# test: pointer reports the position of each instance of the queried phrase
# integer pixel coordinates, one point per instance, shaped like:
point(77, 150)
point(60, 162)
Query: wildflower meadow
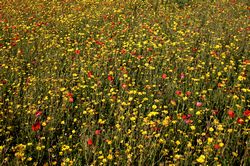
point(133, 82)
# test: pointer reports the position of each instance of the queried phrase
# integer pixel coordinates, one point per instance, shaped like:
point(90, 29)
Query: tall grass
point(124, 83)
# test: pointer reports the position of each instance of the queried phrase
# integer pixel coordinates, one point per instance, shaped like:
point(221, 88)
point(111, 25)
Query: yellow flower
point(62, 89)
point(101, 157)
point(177, 156)
point(221, 144)
point(178, 142)
point(154, 107)
point(133, 118)
point(185, 98)
point(198, 113)
point(189, 144)
point(201, 159)
point(1, 148)
point(44, 124)
point(240, 78)
point(192, 127)
point(220, 127)
point(29, 158)
point(100, 121)
point(211, 129)
point(210, 140)
point(38, 148)
point(110, 157)
point(235, 154)
point(153, 114)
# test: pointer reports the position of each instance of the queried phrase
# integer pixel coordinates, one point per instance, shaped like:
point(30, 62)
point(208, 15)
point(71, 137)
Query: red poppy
point(90, 74)
point(77, 52)
point(38, 113)
point(231, 113)
point(124, 86)
point(90, 142)
point(246, 113)
point(240, 121)
point(164, 76)
point(114, 97)
point(219, 85)
point(149, 49)
point(216, 146)
point(69, 94)
point(4, 81)
point(98, 132)
point(156, 129)
point(188, 121)
point(36, 126)
point(110, 78)
point(199, 104)
point(184, 117)
point(247, 61)
point(133, 52)
point(99, 43)
point(188, 93)
point(194, 49)
point(139, 57)
point(71, 99)
point(215, 112)
point(178, 92)
point(123, 51)
point(182, 76)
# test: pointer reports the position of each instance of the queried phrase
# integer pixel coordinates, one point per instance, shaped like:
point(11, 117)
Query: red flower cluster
point(187, 119)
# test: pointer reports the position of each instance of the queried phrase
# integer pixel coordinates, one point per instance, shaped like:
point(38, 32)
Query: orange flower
point(123, 51)
point(246, 62)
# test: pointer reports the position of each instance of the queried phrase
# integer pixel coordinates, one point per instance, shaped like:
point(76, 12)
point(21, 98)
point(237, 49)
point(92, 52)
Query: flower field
point(136, 82)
